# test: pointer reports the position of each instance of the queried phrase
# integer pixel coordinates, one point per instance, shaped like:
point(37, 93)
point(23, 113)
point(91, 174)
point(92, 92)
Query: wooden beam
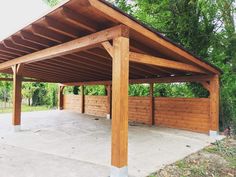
point(78, 20)
point(61, 28)
point(23, 80)
point(109, 48)
point(60, 97)
point(108, 91)
point(69, 47)
point(49, 34)
point(214, 103)
point(206, 85)
point(120, 82)
point(121, 18)
point(82, 99)
point(175, 79)
point(161, 62)
point(17, 84)
point(151, 104)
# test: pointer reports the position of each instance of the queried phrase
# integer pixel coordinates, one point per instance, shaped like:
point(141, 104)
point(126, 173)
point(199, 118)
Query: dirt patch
point(217, 160)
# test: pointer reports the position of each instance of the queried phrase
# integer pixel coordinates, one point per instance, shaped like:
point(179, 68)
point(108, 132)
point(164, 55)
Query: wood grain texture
point(17, 85)
point(183, 113)
point(96, 105)
point(214, 103)
point(120, 84)
point(82, 99)
point(60, 97)
point(140, 110)
point(79, 44)
point(162, 62)
point(72, 103)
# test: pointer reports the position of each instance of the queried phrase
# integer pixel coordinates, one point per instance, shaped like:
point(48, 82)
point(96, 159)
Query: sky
point(16, 14)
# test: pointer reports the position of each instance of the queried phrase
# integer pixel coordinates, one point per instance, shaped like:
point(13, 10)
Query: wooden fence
point(182, 113)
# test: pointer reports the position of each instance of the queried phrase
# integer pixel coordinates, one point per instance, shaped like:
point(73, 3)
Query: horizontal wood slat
point(72, 103)
point(182, 113)
point(96, 105)
point(139, 110)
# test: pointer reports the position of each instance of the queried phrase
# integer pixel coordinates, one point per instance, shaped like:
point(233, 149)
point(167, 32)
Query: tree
point(28, 91)
point(206, 28)
point(52, 2)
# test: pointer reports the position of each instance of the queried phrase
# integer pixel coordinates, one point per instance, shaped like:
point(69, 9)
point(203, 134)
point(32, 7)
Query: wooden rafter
point(161, 62)
point(117, 16)
point(69, 47)
point(199, 78)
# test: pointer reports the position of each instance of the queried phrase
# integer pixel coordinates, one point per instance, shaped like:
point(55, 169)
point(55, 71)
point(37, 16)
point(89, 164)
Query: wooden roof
point(77, 18)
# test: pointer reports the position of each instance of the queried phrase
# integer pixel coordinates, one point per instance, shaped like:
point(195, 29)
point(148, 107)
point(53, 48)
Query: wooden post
point(152, 118)
point(60, 97)
point(82, 98)
point(108, 90)
point(17, 84)
point(120, 82)
point(214, 105)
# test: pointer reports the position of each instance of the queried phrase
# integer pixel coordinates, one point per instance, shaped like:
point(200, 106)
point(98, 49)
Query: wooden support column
point(108, 90)
point(214, 105)
point(17, 84)
point(152, 118)
point(60, 97)
point(120, 83)
point(82, 98)
point(206, 85)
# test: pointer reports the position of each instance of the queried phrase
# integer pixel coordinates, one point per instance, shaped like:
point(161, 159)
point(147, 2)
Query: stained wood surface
point(75, 20)
point(96, 105)
point(140, 110)
point(17, 85)
point(214, 102)
point(60, 97)
point(120, 114)
point(72, 103)
point(185, 113)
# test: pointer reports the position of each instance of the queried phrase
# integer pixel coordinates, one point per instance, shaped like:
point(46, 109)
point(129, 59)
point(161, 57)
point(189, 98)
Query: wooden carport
point(84, 42)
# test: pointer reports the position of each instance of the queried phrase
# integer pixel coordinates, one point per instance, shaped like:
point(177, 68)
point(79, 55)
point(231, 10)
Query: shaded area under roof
point(77, 18)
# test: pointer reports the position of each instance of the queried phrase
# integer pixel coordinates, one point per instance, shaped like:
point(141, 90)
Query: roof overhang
point(71, 44)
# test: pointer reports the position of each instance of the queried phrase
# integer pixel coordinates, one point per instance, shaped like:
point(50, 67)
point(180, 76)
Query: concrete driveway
point(66, 144)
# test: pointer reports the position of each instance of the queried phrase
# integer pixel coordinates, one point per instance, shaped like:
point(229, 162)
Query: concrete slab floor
point(67, 144)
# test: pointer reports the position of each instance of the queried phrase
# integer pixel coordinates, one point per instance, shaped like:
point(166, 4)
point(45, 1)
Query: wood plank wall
point(182, 113)
point(96, 105)
point(72, 103)
point(139, 110)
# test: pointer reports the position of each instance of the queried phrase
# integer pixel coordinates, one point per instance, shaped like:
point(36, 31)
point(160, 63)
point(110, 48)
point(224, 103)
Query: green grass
point(218, 159)
point(26, 108)
point(223, 149)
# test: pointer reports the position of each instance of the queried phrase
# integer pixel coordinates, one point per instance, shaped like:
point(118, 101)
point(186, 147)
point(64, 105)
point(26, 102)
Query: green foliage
point(28, 91)
point(206, 28)
point(95, 90)
point(75, 90)
point(139, 90)
point(52, 2)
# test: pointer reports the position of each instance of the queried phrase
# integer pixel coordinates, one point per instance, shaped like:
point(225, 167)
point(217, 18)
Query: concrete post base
point(213, 134)
point(119, 172)
point(108, 116)
point(16, 128)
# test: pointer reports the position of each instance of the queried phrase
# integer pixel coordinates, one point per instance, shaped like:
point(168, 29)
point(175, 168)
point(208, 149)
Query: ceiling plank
point(82, 43)
point(176, 79)
point(115, 15)
point(161, 62)
point(78, 20)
